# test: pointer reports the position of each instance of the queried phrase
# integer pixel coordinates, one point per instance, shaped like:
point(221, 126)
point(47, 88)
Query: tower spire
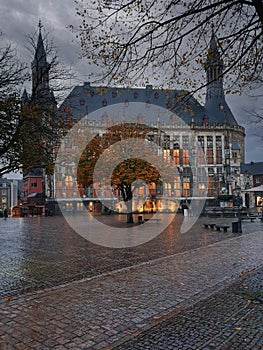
point(214, 69)
point(40, 68)
point(215, 103)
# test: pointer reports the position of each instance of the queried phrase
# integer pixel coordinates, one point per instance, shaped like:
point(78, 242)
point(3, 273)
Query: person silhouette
point(5, 214)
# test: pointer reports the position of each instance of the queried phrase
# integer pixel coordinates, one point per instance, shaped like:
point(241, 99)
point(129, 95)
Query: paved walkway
point(101, 311)
point(230, 319)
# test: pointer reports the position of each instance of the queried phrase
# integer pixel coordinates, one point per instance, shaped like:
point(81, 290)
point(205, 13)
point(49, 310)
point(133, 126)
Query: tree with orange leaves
point(118, 146)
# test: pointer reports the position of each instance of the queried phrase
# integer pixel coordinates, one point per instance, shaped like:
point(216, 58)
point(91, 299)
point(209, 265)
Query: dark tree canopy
point(161, 42)
point(12, 71)
point(12, 75)
point(30, 126)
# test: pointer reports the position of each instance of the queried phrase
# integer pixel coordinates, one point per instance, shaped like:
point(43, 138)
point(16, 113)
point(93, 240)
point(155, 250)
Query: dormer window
point(135, 95)
point(126, 103)
point(148, 104)
point(105, 117)
point(114, 93)
point(169, 104)
point(104, 103)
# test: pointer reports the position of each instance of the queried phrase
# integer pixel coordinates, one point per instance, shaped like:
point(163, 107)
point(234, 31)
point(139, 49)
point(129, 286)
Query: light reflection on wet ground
point(44, 251)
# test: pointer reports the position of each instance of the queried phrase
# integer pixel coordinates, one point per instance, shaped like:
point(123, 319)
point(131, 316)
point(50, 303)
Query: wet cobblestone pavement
point(231, 319)
point(116, 301)
point(44, 252)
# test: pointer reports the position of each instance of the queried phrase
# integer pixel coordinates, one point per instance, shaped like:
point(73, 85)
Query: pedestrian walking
point(5, 214)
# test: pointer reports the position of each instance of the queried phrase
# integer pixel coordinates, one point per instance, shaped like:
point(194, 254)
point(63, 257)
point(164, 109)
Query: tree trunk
point(129, 213)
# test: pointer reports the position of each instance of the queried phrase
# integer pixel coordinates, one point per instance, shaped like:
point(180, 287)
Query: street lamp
point(226, 147)
point(239, 203)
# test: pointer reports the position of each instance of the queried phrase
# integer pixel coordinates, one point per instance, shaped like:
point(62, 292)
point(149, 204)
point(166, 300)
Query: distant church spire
point(40, 68)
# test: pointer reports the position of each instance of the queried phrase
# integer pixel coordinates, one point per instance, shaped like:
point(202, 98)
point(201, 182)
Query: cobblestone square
point(178, 291)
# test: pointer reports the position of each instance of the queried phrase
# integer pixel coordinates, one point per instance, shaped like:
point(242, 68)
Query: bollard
point(235, 227)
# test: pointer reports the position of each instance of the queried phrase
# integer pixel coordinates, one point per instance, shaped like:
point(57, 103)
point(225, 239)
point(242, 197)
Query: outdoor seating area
point(251, 218)
point(218, 227)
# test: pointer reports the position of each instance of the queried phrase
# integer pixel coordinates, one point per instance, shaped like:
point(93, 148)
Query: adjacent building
point(252, 179)
point(10, 194)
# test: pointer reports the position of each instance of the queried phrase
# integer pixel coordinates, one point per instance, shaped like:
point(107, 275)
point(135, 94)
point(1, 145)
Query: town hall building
point(210, 132)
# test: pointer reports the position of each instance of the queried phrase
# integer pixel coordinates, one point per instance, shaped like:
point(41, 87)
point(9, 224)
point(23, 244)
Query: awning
point(254, 189)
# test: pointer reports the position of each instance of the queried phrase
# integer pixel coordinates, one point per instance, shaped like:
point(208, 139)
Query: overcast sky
point(20, 18)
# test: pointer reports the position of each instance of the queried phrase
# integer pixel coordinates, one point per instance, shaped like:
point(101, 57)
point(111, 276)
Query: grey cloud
point(20, 18)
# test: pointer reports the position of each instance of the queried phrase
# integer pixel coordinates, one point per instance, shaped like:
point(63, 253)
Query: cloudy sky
point(20, 18)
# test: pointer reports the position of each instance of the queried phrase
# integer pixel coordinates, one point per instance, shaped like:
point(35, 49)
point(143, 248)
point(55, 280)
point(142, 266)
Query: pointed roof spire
point(213, 53)
point(40, 25)
point(40, 50)
point(24, 96)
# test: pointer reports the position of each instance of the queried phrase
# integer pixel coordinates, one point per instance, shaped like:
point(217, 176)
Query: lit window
point(185, 156)
point(186, 187)
point(177, 186)
point(176, 156)
point(166, 155)
point(200, 155)
point(210, 156)
point(210, 185)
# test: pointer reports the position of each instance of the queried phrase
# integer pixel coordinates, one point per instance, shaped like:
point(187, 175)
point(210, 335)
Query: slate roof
point(252, 168)
point(86, 99)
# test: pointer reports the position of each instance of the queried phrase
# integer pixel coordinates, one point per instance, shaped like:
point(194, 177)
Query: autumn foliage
point(116, 150)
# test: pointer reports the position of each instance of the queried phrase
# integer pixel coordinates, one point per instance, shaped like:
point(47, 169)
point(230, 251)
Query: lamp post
point(239, 203)
point(226, 148)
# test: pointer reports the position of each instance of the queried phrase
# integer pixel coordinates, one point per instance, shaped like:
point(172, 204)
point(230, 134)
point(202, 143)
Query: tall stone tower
point(42, 106)
point(41, 92)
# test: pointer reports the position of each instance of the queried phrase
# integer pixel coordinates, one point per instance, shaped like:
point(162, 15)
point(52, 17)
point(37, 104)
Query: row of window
point(115, 94)
point(186, 140)
point(177, 189)
point(183, 157)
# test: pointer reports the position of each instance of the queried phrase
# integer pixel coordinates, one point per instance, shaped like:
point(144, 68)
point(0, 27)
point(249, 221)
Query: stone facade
point(196, 139)
point(203, 142)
